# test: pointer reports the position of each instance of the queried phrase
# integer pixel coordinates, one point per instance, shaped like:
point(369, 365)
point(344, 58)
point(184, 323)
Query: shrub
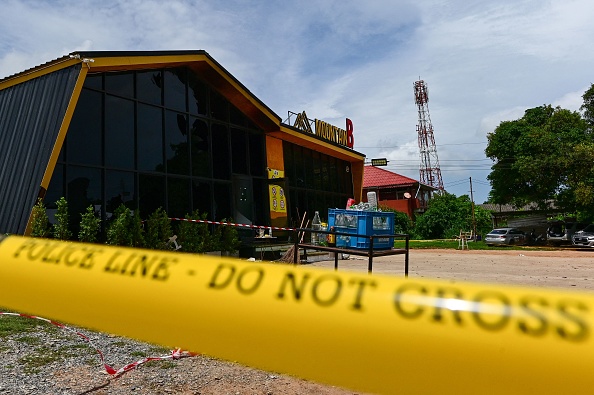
point(89, 226)
point(136, 230)
point(118, 231)
point(194, 236)
point(40, 224)
point(158, 230)
point(61, 230)
point(229, 238)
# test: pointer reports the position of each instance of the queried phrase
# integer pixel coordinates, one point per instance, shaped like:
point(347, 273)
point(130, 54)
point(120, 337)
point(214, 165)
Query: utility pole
point(473, 219)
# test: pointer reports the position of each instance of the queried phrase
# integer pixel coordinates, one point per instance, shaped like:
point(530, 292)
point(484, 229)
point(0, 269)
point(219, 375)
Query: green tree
point(194, 236)
point(534, 157)
point(158, 230)
point(89, 226)
point(229, 241)
point(447, 215)
point(588, 106)
point(61, 230)
point(118, 230)
point(40, 223)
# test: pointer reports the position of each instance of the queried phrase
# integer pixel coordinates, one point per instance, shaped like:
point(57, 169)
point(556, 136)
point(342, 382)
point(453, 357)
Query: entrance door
point(243, 197)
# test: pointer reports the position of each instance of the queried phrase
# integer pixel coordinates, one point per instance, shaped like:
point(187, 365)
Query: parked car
point(505, 236)
point(584, 237)
point(561, 232)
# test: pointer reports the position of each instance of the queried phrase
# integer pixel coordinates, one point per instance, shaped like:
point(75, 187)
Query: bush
point(158, 230)
point(118, 231)
point(61, 230)
point(40, 226)
point(229, 238)
point(194, 236)
point(89, 226)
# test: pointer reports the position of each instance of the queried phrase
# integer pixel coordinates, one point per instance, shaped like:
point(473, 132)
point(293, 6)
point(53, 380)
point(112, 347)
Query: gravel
point(50, 360)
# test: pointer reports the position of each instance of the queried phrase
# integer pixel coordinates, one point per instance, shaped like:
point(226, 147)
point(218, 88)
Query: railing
point(369, 252)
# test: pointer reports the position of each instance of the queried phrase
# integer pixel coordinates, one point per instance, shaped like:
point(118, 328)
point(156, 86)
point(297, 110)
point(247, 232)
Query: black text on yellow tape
point(370, 333)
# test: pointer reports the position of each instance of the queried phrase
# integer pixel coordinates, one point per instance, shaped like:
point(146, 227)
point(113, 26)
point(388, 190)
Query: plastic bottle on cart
point(316, 224)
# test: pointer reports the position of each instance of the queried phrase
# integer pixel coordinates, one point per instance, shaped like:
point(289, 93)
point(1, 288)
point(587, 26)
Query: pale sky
point(483, 61)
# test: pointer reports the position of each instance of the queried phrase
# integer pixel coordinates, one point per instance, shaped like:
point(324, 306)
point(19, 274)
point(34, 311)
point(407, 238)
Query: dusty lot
point(572, 269)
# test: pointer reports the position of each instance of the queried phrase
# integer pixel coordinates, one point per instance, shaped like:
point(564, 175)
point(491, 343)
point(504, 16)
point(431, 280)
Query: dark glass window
point(55, 189)
point(83, 140)
point(176, 143)
point(119, 189)
point(219, 107)
point(150, 138)
point(94, 81)
point(121, 84)
point(175, 89)
point(236, 117)
point(201, 197)
point(84, 188)
point(222, 202)
point(197, 96)
point(239, 153)
point(200, 147)
point(178, 197)
point(149, 86)
point(299, 167)
point(257, 153)
point(308, 167)
point(220, 148)
point(119, 132)
point(151, 191)
point(314, 170)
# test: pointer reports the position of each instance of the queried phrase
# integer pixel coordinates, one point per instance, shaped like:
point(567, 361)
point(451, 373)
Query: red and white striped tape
point(231, 224)
point(175, 354)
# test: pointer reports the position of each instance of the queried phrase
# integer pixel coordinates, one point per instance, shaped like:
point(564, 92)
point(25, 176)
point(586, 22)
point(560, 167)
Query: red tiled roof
point(376, 177)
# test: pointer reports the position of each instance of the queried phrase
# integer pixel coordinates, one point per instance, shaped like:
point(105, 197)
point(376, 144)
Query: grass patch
point(14, 325)
point(453, 244)
point(40, 357)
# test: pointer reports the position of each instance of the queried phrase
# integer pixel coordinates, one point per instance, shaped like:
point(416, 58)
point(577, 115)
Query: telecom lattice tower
point(429, 168)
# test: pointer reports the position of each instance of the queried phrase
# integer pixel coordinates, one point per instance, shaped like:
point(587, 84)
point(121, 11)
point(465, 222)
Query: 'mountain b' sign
point(327, 131)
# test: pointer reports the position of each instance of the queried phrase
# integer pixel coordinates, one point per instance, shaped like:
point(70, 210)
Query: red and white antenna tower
point(429, 168)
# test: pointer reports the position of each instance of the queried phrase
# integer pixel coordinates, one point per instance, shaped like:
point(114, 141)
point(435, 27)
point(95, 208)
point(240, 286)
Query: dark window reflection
point(237, 117)
point(56, 187)
point(151, 194)
point(150, 138)
point(121, 84)
point(176, 143)
point(84, 189)
point(201, 197)
point(200, 148)
point(94, 81)
point(119, 189)
point(219, 108)
point(222, 202)
point(178, 197)
point(220, 146)
point(119, 133)
point(83, 140)
point(149, 86)
point(239, 147)
point(175, 89)
point(257, 154)
point(197, 96)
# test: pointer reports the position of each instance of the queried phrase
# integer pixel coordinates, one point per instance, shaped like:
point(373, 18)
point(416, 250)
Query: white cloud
point(484, 62)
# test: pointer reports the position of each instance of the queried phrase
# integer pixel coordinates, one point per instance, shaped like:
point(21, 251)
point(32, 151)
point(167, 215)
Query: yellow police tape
point(371, 333)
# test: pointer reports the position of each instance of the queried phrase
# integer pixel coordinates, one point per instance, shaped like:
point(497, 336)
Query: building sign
point(326, 131)
point(278, 201)
point(379, 162)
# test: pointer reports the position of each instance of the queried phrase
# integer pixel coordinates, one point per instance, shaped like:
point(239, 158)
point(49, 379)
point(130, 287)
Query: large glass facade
point(315, 181)
point(157, 138)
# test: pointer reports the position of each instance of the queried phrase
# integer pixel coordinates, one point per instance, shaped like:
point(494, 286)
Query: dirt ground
point(564, 268)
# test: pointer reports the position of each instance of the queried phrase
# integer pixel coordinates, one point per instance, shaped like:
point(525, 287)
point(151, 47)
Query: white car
point(585, 237)
point(505, 236)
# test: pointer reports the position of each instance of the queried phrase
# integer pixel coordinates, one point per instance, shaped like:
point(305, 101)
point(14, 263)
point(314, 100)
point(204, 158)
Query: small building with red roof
point(396, 191)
